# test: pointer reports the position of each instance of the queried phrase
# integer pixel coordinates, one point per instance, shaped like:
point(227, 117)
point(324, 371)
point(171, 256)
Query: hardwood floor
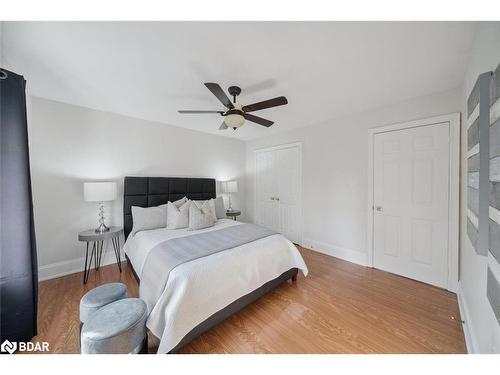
point(339, 308)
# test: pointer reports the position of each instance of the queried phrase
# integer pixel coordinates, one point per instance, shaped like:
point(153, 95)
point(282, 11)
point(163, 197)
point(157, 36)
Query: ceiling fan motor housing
point(234, 111)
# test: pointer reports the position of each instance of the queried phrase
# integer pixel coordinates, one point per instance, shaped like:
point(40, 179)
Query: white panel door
point(411, 177)
point(265, 182)
point(277, 190)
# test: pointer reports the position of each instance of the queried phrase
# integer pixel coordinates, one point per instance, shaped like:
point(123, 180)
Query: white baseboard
point(350, 255)
point(67, 267)
point(470, 337)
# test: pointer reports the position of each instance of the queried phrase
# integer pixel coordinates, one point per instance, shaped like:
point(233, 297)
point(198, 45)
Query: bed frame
point(153, 191)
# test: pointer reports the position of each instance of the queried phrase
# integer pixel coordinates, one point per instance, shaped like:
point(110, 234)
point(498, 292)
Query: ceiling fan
point(235, 115)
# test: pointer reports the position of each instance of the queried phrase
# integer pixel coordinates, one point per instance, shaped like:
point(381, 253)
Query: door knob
point(378, 208)
point(272, 198)
point(277, 199)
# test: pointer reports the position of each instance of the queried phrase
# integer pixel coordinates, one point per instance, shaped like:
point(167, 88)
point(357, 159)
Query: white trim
point(343, 253)
point(454, 188)
point(495, 112)
point(473, 151)
point(67, 267)
point(473, 117)
point(274, 148)
point(470, 337)
point(454, 204)
point(369, 231)
point(494, 215)
point(279, 147)
point(416, 123)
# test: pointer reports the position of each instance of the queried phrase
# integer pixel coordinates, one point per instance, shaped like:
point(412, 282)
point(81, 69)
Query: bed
point(200, 293)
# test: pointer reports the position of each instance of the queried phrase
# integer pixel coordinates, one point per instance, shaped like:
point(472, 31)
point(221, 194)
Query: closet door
point(411, 202)
point(265, 182)
point(287, 163)
point(277, 190)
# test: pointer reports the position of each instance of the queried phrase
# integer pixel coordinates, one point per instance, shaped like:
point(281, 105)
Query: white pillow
point(202, 217)
point(209, 206)
point(177, 217)
point(146, 218)
point(180, 202)
point(220, 211)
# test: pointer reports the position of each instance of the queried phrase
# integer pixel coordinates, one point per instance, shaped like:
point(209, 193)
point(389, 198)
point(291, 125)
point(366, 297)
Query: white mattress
point(196, 290)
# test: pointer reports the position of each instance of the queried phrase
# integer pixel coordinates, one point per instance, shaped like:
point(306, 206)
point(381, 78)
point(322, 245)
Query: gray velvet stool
point(117, 328)
point(100, 297)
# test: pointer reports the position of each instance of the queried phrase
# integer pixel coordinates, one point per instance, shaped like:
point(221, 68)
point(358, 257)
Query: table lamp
point(230, 187)
point(99, 192)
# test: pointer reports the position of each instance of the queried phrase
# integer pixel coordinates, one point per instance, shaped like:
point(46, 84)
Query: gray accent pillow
point(200, 217)
point(146, 218)
point(220, 211)
point(209, 206)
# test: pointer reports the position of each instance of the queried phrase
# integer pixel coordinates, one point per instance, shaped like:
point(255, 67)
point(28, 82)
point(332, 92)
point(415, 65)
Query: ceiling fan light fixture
point(234, 114)
point(234, 120)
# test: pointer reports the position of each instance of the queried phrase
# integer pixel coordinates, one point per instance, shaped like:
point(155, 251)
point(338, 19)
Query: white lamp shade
point(99, 191)
point(230, 187)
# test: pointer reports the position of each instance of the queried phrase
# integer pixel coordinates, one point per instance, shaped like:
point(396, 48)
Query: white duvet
point(197, 289)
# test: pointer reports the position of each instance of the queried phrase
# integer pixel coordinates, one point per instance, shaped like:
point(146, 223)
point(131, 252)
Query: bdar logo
point(11, 347)
point(8, 347)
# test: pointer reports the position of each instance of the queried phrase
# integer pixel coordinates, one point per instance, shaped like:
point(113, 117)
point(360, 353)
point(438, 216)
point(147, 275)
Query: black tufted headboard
point(153, 191)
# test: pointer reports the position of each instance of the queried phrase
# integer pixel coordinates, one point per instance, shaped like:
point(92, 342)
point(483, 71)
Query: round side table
point(233, 214)
point(97, 240)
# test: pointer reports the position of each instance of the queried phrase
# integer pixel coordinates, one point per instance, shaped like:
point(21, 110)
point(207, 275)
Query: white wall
point(481, 328)
point(335, 168)
point(70, 145)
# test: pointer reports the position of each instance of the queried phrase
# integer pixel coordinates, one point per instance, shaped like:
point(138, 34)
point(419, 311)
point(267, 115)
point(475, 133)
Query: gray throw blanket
point(164, 257)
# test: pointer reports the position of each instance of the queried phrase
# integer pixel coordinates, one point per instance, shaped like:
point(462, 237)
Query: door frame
point(274, 148)
point(453, 188)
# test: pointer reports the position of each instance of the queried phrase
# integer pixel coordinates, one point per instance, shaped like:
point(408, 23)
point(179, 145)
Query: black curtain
point(18, 263)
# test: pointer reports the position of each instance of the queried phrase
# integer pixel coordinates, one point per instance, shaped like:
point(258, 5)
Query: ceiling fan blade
point(280, 100)
point(220, 94)
point(190, 111)
point(258, 120)
point(223, 126)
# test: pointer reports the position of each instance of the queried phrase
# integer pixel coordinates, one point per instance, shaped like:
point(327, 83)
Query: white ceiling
point(149, 70)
